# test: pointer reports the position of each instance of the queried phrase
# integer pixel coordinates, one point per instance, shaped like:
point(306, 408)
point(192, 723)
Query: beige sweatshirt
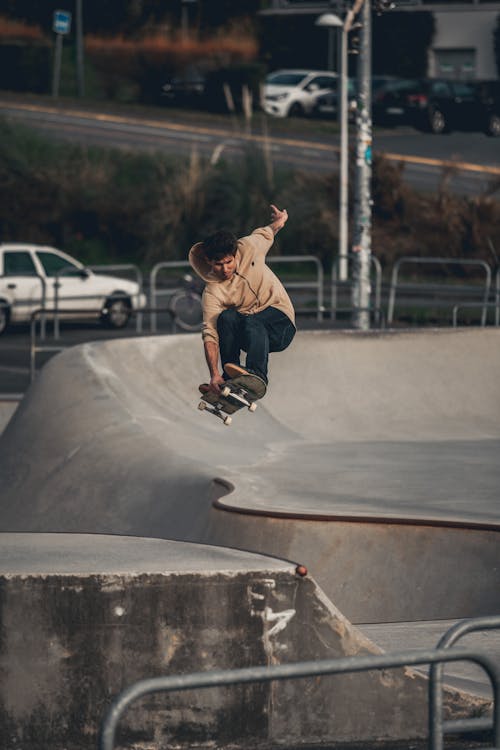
point(253, 288)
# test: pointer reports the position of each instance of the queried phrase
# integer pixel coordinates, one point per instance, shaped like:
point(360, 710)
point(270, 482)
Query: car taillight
point(419, 100)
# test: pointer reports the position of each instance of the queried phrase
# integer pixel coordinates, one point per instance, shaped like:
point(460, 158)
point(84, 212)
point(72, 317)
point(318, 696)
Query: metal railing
point(317, 284)
point(345, 665)
point(155, 293)
point(336, 284)
point(41, 313)
point(497, 297)
point(441, 288)
point(58, 311)
point(474, 306)
point(437, 727)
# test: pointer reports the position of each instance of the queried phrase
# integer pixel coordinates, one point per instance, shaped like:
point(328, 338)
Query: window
point(53, 264)
point(18, 263)
point(285, 79)
point(440, 88)
point(323, 82)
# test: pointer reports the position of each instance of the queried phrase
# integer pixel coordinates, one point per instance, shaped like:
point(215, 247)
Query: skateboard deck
point(236, 393)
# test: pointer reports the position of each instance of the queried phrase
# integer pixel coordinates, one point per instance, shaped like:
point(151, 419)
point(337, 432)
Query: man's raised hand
point(278, 218)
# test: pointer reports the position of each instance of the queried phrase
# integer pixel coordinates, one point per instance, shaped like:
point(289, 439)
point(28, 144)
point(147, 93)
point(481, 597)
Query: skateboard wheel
point(227, 421)
point(202, 405)
point(225, 391)
point(252, 407)
point(301, 570)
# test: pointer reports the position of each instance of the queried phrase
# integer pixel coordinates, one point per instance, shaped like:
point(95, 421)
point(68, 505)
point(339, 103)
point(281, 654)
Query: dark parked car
point(488, 93)
point(327, 104)
point(185, 88)
point(435, 105)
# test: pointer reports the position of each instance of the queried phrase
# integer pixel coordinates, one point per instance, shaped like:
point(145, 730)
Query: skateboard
point(236, 393)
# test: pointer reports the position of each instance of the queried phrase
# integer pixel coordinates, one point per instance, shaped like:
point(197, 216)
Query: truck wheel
point(493, 126)
point(4, 316)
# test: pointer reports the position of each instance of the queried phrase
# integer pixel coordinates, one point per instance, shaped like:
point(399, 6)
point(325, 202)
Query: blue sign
point(62, 21)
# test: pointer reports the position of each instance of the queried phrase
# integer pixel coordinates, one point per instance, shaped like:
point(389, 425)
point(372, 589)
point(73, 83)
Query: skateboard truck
point(216, 409)
point(237, 393)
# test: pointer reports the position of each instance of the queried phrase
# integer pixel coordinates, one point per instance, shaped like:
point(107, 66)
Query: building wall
point(466, 29)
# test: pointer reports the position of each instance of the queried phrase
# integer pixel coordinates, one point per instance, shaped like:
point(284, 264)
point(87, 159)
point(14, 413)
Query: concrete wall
point(85, 616)
point(469, 27)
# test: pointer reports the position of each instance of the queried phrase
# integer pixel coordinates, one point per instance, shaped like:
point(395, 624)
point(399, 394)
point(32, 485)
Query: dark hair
point(220, 244)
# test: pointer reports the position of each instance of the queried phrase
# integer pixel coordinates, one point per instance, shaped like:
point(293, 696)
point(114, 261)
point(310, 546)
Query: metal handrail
point(497, 297)
point(71, 272)
point(436, 261)
point(43, 311)
point(349, 664)
point(438, 727)
point(318, 284)
point(377, 308)
point(473, 306)
point(153, 292)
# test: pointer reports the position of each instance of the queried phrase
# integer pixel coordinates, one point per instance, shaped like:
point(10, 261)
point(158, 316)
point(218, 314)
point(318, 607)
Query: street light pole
point(80, 75)
point(330, 20)
point(343, 271)
point(362, 207)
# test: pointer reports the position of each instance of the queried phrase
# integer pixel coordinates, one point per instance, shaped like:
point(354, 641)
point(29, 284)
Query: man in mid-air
point(245, 306)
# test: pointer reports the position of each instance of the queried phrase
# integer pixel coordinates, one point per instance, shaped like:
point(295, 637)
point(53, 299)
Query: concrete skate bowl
point(372, 460)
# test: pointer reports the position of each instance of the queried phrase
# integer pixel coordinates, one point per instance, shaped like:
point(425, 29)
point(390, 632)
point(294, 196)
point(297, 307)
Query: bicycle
point(185, 304)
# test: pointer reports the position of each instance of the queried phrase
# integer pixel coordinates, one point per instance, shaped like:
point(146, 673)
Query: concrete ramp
point(373, 460)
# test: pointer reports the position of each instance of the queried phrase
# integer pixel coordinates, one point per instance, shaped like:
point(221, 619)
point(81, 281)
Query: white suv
point(296, 92)
point(35, 276)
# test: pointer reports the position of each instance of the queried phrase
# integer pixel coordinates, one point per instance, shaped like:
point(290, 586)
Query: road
point(471, 160)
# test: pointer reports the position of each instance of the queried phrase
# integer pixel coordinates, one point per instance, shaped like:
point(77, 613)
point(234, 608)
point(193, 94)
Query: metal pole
point(344, 169)
point(330, 49)
point(80, 70)
point(57, 65)
point(362, 207)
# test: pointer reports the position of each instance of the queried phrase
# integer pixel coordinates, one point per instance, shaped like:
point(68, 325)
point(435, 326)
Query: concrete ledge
point(84, 616)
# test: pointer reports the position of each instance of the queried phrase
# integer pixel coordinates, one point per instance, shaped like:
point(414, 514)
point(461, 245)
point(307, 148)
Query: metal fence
point(41, 314)
point(352, 664)
point(441, 292)
point(437, 727)
point(316, 285)
point(337, 286)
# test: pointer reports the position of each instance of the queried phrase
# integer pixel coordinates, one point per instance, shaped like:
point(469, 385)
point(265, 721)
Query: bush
point(147, 63)
point(105, 205)
point(25, 66)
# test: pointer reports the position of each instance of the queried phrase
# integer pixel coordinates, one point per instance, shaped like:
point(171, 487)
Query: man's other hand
point(278, 218)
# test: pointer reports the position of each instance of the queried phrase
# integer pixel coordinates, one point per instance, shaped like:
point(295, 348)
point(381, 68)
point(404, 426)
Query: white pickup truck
point(34, 277)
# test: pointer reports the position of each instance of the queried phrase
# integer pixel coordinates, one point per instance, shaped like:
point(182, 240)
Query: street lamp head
point(329, 19)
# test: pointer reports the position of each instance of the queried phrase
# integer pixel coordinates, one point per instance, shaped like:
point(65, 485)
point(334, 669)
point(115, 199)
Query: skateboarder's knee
point(228, 319)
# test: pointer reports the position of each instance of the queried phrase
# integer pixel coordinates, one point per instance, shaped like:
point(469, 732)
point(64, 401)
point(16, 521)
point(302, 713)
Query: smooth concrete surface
point(373, 460)
point(7, 409)
point(401, 636)
point(85, 616)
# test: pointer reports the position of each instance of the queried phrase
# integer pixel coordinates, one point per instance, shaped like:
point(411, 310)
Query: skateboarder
point(245, 306)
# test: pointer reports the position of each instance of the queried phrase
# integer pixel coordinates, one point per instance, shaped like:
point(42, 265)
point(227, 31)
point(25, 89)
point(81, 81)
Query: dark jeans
point(257, 335)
